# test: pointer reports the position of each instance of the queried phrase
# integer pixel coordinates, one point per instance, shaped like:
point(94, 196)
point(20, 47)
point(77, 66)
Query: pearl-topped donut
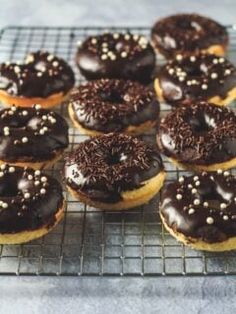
point(191, 77)
point(201, 210)
point(116, 55)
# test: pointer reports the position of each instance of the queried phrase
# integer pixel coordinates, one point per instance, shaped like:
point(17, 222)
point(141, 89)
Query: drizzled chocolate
point(31, 134)
point(187, 33)
point(40, 75)
point(192, 77)
point(28, 199)
point(116, 55)
point(202, 207)
point(200, 134)
point(113, 105)
point(102, 168)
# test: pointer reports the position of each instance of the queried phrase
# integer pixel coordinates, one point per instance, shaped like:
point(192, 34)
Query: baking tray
point(91, 242)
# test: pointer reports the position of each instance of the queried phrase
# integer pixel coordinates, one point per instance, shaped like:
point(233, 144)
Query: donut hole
point(115, 158)
point(201, 123)
point(111, 96)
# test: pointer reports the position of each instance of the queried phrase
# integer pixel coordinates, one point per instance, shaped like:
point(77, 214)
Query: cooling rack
point(90, 242)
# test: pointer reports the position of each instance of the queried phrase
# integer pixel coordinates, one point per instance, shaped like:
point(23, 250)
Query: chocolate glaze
point(113, 105)
point(31, 134)
point(28, 199)
point(187, 33)
point(201, 134)
point(102, 168)
point(40, 75)
point(202, 207)
point(192, 77)
point(116, 55)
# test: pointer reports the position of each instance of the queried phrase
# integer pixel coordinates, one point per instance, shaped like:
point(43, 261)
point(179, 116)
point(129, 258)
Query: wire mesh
point(93, 242)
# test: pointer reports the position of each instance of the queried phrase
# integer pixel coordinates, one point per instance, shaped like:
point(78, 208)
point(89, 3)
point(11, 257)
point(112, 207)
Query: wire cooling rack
point(93, 242)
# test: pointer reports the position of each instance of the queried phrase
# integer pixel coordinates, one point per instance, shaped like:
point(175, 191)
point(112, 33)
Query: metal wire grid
point(89, 241)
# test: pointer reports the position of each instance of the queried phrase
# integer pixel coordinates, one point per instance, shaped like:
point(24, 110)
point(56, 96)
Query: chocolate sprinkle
point(104, 167)
point(212, 223)
point(200, 133)
point(113, 105)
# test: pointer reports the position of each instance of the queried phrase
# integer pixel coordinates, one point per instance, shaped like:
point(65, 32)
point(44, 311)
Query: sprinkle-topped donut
point(201, 136)
point(116, 55)
point(189, 33)
point(31, 136)
point(41, 78)
point(201, 210)
point(109, 105)
point(31, 203)
point(114, 171)
point(192, 77)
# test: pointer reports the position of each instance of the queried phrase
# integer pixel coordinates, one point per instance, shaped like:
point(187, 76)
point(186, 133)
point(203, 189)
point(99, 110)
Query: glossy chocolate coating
point(200, 134)
point(113, 105)
point(202, 207)
point(31, 134)
point(40, 75)
point(116, 55)
point(189, 78)
point(187, 33)
point(102, 168)
point(28, 199)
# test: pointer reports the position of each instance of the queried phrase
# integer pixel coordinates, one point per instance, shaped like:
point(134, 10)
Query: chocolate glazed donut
point(199, 137)
point(31, 136)
point(110, 105)
point(200, 211)
point(31, 204)
point(192, 77)
point(116, 55)
point(182, 33)
point(114, 171)
point(42, 78)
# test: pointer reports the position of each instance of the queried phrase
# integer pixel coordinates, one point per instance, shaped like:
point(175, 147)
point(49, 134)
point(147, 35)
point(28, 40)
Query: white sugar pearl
point(223, 205)
point(38, 107)
point(195, 178)
point(36, 182)
point(24, 139)
point(179, 57)
point(191, 211)
point(210, 220)
point(192, 58)
point(225, 217)
point(204, 86)
point(11, 169)
point(104, 57)
point(27, 195)
point(196, 202)
point(42, 191)
point(205, 204)
point(44, 179)
point(219, 171)
point(181, 179)
point(194, 191)
point(37, 172)
point(4, 205)
point(179, 197)
point(1, 174)
point(226, 173)
point(41, 131)
point(123, 54)
point(24, 113)
point(30, 177)
point(3, 167)
point(214, 75)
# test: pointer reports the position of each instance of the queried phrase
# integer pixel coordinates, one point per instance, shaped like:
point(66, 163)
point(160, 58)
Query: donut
point(192, 77)
point(42, 78)
point(117, 55)
point(200, 137)
point(189, 33)
point(31, 204)
point(111, 105)
point(32, 137)
point(114, 171)
point(200, 210)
